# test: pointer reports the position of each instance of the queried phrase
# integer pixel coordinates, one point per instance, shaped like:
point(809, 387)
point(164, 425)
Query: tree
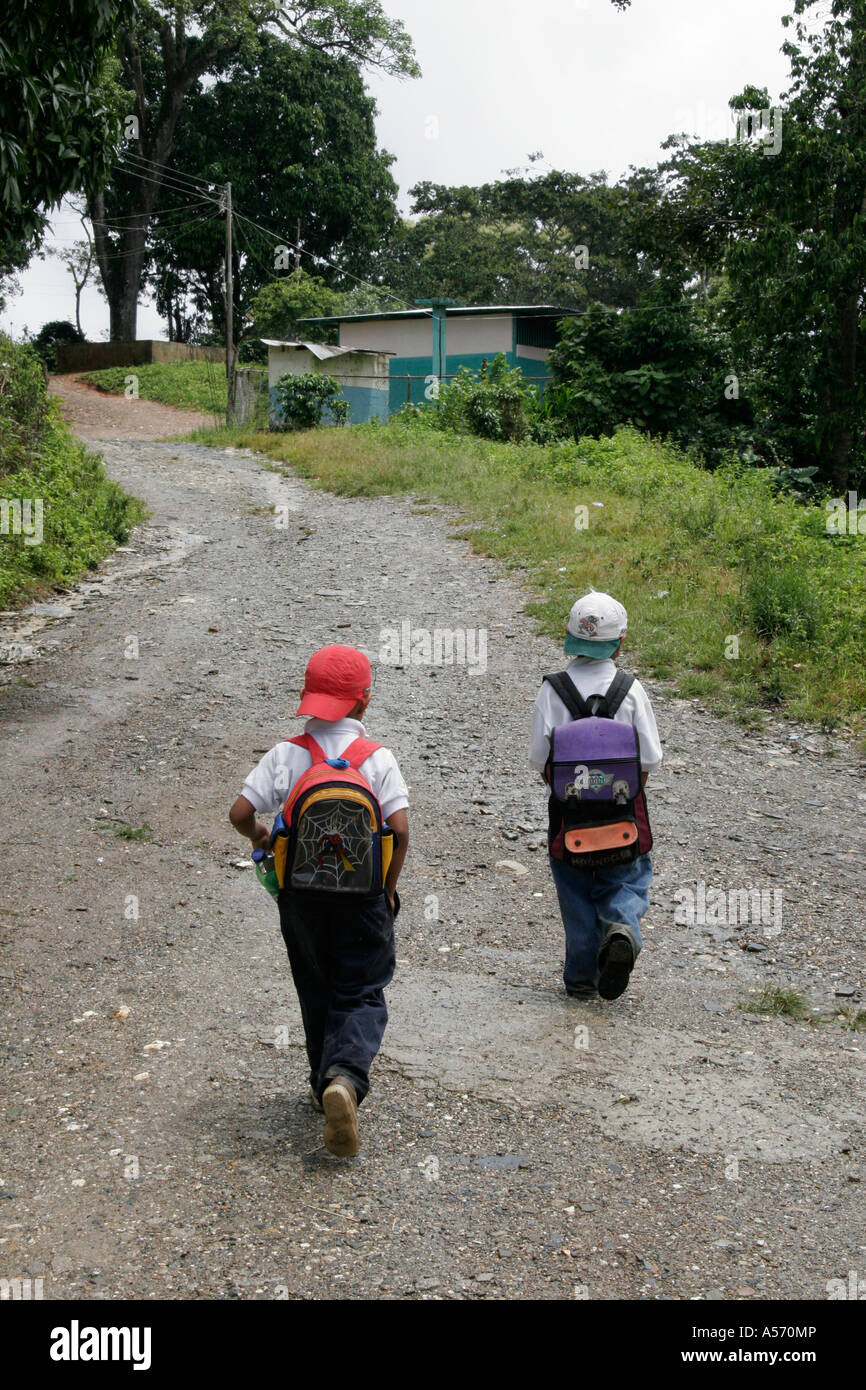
point(319, 175)
point(277, 307)
point(554, 238)
point(788, 221)
point(79, 261)
point(168, 50)
point(58, 110)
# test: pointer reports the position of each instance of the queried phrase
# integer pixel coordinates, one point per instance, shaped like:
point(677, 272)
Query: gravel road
point(516, 1144)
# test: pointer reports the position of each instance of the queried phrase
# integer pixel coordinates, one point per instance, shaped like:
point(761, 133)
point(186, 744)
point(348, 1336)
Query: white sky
point(590, 87)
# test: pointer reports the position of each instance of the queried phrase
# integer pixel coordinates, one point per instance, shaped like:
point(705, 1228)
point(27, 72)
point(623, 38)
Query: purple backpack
point(594, 773)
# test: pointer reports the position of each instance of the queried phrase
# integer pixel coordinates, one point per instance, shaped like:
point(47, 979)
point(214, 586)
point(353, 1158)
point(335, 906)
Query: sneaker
point(615, 963)
point(315, 1102)
point(340, 1104)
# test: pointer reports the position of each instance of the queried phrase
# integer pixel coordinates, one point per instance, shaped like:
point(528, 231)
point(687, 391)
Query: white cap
point(595, 626)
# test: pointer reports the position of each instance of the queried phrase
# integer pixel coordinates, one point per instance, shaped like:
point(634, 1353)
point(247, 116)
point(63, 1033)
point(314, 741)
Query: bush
point(23, 404)
point(497, 404)
point(303, 401)
point(782, 601)
point(50, 335)
point(80, 512)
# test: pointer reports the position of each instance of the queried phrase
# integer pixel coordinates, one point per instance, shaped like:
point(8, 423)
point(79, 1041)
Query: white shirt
point(268, 785)
point(593, 677)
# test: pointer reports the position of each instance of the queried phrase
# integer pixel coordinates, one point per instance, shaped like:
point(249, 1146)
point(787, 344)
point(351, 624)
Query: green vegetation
point(781, 1002)
point(133, 832)
point(49, 483)
point(304, 399)
point(735, 591)
point(188, 385)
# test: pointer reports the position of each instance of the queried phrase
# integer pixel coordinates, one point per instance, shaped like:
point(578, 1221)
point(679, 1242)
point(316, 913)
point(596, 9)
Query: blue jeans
point(342, 956)
point(591, 903)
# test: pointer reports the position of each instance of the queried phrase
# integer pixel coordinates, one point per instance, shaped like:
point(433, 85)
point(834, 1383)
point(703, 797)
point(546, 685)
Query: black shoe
point(615, 963)
point(581, 991)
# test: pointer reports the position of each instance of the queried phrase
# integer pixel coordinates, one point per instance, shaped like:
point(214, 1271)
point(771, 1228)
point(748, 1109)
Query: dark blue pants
point(342, 956)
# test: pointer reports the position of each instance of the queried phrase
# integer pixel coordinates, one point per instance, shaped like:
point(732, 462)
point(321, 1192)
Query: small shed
point(363, 374)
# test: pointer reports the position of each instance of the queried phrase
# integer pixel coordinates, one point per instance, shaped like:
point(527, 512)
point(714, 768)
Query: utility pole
point(298, 249)
point(230, 298)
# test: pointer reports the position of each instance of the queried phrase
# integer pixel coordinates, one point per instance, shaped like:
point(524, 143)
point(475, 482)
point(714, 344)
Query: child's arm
point(399, 823)
point(243, 818)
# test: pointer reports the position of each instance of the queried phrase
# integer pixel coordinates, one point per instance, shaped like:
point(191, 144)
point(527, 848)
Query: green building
point(524, 334)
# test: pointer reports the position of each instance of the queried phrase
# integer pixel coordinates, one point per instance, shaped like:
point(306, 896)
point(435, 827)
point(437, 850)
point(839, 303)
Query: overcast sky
point(588, 86)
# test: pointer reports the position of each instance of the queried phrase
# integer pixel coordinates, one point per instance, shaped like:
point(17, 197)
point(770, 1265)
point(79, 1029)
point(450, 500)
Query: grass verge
point(738, 595)
point(59, 512)
point(188, 385)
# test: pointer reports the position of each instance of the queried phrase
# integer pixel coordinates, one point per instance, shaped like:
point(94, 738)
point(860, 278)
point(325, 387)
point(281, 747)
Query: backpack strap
point(315, 750)
point(617, 691)
point(356, 753)
point(359, 751)
point(568, 694)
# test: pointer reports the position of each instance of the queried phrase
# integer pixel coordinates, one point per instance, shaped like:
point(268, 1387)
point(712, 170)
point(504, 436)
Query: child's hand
point(262, 837)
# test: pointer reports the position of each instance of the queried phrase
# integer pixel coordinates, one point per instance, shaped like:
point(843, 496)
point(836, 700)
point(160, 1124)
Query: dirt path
point(516, 1144)
point(97, 415)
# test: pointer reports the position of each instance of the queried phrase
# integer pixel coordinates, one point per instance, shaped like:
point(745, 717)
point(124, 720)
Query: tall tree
point(556, 238)
point(318, 176)
point(170, 48)
point(58, 112)
point(786, 212)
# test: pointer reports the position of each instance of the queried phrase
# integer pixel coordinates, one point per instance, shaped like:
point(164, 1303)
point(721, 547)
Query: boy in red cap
point(341, 949)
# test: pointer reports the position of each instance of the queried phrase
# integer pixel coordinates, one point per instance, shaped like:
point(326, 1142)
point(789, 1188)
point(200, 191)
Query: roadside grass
point(785, 1003)
point(188, 385)
point(788, 1003)
point(133, 832)
point(60, 514)
point(736, 595)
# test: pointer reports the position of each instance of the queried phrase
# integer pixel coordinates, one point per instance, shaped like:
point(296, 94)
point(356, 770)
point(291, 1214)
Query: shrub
point(50, 335)
point(497, 404)
point(23, 403)
point(782, 600)
point(303, 401)
point(83, 514)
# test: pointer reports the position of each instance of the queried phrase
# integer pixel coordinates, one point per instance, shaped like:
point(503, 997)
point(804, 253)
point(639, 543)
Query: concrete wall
point(469, 333)
point(92, 357)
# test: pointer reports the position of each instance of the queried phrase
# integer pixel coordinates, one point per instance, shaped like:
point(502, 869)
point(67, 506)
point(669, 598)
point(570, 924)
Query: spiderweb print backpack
point(330, 837)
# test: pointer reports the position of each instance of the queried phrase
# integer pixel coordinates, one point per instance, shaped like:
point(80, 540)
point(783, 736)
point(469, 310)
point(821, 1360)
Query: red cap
point(337, 678)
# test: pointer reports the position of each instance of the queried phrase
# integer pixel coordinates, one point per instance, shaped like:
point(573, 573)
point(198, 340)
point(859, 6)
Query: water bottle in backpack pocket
point(598, 812)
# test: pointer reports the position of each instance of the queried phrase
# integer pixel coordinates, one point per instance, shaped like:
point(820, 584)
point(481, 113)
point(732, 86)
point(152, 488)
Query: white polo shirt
point(593, 677)
point(269, 784)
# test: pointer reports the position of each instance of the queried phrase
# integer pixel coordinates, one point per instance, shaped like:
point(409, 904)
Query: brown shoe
point(341, 1123)
point(315, 1102)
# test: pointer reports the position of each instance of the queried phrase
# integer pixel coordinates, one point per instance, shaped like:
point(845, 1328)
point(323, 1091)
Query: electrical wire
point(281, 240)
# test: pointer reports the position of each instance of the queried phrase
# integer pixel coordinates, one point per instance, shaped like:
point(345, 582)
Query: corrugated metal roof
point(324, 350)
point(522, 310)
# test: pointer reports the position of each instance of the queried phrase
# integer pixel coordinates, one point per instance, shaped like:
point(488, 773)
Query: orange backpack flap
point(335, 835)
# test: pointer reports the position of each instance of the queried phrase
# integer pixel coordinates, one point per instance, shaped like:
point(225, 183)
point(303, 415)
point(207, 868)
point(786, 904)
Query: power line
point(162, 182)
point(179, 173)
point(281, 240)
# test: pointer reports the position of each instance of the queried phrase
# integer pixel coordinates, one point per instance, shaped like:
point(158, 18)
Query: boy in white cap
point(601, 908)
